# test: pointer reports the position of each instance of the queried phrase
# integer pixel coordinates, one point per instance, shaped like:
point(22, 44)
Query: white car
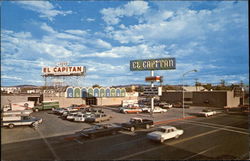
point(131, 110)
point(207, 112)
point(71, 116)
point(164, 133)
point(165, 105)
point(156, 109)
point(82, 117)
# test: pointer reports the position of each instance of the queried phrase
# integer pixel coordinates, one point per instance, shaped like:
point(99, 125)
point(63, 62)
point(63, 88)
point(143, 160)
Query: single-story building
point(218, 99)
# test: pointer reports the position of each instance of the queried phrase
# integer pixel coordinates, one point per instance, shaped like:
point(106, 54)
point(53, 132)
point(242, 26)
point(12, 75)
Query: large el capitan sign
point(64, 70)
point(152, 64)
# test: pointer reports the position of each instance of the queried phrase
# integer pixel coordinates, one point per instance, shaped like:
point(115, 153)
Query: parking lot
point(223, 136)
point(53, 125)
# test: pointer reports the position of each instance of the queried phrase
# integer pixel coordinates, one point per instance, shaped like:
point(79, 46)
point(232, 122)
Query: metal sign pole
point(152, 98)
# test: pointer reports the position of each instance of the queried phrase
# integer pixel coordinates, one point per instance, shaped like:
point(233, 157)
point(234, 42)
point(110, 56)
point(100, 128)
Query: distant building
point(194, 88)
point(10, 90)
point(217, 99)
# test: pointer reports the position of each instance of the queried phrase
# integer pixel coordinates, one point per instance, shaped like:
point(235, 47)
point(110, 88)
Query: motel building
point(90, 96)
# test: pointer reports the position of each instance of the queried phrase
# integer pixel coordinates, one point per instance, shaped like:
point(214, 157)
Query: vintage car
point(81, 117)
point(58, 110)
point(97, 118)
point(22, 120)
point(78, 107)
point(156, 110)
point(136, 122)
point(164, 133)
point(130, 110)
point(207, 112)
point(179, 105)
point(165, 105)
point(99, 130)
point(71, 116)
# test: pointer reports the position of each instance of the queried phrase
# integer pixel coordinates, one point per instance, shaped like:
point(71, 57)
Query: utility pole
point(196, 83)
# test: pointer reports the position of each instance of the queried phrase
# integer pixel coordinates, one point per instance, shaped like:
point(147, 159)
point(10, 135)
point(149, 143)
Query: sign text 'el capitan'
point(64, 70)
point(152, 64)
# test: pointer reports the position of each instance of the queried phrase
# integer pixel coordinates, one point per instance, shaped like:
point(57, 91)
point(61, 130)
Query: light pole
point(194, 70)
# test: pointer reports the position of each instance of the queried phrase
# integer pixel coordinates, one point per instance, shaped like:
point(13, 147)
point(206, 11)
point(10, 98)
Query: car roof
point(167, 127)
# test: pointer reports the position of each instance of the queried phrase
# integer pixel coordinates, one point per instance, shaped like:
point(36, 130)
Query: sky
point(209, 36)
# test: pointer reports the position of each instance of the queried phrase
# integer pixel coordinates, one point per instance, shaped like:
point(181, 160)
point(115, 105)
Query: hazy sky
point(211, 37)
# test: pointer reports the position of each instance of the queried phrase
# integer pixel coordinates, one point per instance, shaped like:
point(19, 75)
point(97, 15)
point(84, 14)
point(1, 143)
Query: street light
point(194, 70)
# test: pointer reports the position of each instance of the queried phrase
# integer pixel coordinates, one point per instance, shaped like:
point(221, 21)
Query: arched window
point(69, 92)
point(123, 92)
point(84, 92)
point(107, 92)
point(90, 92)
point(96, 92)
point(102, 92)
point(113, 92)
point(77, 92)
point(118, 92)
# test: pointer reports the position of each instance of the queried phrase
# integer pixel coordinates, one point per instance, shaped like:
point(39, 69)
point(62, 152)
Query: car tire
point(147, 126)
point(177, 136)
point(11, 126)
point(132, 129)
point(92, 136)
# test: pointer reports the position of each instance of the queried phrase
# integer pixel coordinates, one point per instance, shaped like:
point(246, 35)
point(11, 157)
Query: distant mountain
point(26, 86)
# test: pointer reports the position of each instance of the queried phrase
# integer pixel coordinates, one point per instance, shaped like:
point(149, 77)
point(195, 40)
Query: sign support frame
point(152, 98)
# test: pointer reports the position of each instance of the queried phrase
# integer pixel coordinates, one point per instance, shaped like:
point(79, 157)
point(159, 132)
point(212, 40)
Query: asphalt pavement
point(224, 136)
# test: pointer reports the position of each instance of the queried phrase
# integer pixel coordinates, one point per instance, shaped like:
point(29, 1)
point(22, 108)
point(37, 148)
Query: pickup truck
point(23, 120)
point(137, 123)
point(164, 133)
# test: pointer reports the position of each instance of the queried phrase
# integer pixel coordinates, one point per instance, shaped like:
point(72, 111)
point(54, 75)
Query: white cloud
point(90, 19)
point(134, 8)
point(47, 28)
point(44, 8)
point(76, 32)
point(102, 44)
point(10, 77)
point(174, 25)
point(139, 51)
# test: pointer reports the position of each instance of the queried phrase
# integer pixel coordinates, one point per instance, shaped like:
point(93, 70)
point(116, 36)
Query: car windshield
point(162, 130)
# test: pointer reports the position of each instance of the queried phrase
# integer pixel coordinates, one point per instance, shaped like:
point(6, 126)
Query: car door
point(172, 133)
point(169, 133)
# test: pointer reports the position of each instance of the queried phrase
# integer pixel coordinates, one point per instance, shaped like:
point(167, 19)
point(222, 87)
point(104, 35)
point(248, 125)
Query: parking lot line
point(202, 152)
point(226, 126)
point(49, 146)
point(221, 128)
point(179, 119)
point(162, 146)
